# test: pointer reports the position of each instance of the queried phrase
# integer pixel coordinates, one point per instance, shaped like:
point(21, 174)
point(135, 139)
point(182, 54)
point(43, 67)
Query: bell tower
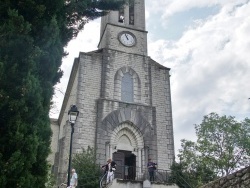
point(124, 30)
point(123, 97)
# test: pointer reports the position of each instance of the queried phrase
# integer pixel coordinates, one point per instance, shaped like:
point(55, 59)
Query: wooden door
point(119, 157)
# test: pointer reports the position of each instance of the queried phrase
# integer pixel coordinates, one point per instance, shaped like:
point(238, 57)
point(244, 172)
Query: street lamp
point(73, 113)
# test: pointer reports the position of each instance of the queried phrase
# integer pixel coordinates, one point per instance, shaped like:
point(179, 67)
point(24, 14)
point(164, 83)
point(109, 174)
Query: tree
point(87, 169)
point(191, 171)
point(33, 35)
point(221, 143)
point(222, 147)
point(245, 135)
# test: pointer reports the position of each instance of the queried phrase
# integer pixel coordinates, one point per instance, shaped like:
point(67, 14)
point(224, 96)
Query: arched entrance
point(127, 142)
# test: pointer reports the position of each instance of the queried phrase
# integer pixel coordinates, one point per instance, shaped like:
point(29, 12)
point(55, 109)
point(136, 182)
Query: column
point(140, 159)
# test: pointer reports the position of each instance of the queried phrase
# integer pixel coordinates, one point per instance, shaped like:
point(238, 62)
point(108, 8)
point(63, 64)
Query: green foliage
point(222, 147)
point(78, 13)
point(244, 140)
point(220, 143)
point(182, 178)
point(33, 35)
point(51, 180)
point(190, 171)
point(87, 169)
point(21, 97)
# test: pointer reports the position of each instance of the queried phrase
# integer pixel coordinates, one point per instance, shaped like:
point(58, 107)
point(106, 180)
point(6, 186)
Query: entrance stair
point(162, 179)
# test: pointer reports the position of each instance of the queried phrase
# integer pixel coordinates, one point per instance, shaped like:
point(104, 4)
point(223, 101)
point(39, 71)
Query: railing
point(130, 173)
point(180, 180)
point(103, 181)
point(138, 174)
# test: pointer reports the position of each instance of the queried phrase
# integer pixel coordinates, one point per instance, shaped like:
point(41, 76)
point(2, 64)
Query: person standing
point(73, 180)
point(151, 169)
point(110, 167)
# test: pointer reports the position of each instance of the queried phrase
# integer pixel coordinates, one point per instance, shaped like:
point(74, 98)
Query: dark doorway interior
point(127, 170)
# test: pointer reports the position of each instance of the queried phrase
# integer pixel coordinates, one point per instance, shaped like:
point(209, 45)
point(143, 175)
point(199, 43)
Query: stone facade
point(63, 139)
point(138, 129)
point(239, 179)
point(54, 140)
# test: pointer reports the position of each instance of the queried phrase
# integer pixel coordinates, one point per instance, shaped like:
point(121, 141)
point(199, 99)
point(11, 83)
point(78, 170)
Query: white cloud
point(210, 69)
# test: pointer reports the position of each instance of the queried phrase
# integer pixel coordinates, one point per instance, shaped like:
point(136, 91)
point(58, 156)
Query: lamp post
point(73, 113)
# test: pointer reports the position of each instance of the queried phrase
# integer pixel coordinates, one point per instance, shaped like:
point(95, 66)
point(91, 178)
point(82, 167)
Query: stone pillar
point(107, 146)
point(146, 184)
point(140, 160)
point(146, 149)
point(110, 152)
point(143, 159)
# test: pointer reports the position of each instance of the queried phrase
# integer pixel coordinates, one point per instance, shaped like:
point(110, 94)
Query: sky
point(206, 44)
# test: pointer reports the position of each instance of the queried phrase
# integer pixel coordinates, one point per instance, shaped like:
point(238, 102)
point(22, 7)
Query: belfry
point(123, 97)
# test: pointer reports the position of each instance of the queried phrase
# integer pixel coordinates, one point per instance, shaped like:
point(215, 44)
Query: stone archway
point(126, 137)
point(127, 143)
point(126, 128)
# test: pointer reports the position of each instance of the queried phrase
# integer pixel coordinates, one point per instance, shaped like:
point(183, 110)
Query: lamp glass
point(73, 116)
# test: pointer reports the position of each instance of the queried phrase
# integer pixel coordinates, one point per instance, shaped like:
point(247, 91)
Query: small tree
point(87, 169)
point(51, 180)
point(191, 171)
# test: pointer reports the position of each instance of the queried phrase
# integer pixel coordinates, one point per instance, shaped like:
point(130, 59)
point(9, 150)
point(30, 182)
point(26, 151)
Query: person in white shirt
point(73, 180)
point(110, 167)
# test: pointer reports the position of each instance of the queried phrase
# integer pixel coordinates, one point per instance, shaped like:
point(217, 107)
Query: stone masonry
point(239, 179)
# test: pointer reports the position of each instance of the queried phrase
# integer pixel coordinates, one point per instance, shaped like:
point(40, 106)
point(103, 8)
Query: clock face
point(127, 38)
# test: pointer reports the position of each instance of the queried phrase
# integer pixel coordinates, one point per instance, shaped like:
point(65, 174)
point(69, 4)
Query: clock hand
point(126, 36)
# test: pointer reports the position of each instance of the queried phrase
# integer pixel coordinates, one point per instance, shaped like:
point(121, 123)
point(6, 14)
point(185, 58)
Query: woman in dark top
point(110, 167)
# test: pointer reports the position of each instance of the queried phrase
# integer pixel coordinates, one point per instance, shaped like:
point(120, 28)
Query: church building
point(123, 97)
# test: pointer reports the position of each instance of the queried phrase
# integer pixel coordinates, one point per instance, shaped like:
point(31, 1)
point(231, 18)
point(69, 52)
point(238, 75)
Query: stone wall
point(239, 179)
point(161, 99)
point(54, 140)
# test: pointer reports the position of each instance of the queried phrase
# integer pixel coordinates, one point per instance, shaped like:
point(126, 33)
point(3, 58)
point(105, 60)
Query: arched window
point(127, 91)
point(127, 85)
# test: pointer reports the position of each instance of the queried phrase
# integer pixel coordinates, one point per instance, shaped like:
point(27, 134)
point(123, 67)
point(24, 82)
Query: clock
point(127, 38)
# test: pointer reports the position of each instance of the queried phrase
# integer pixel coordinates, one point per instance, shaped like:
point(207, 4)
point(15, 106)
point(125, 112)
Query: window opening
point(121, 16)
point(131, 12)
point(127, 93)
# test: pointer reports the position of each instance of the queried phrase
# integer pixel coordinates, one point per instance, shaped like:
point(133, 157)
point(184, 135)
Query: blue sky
point(205, 43)
point(172, 28)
